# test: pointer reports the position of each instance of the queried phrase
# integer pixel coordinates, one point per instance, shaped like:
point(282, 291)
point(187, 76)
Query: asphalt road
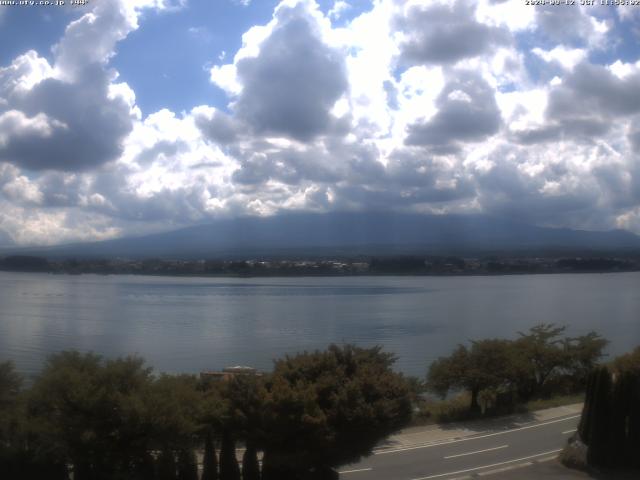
point(467, 456)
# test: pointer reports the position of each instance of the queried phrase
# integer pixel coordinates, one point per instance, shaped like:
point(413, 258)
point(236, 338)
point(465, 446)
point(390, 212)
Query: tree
point(597, 435)
point(187, 465)
point(107, 416)
point(86, 411)
point(10, 385)
point(610, 422)
point(209, 461)
point(167, 465)
point(229, 469)
point(541, 353)
point(13, 453)
point(325, 409)
point(145, 467)
point(487, 364)
point(173, 408)
point(629, 362)
point(244, 399)
point(583, 354)
point(250, 465)
point(10, 389)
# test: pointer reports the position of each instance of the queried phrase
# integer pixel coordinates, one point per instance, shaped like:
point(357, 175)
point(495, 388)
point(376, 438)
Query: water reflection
point(191, 324)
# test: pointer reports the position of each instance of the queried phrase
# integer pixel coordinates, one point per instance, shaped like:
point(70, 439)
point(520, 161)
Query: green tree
point(610, 422)
point(629, 362)
point(229, 469)
point(14, 455)
point(209, 460)
point(10, 385)
point(541, 353)
point(87, 412)
point(598, 434)
point(250, 465)
point(328, 408)
point(583, 354)
point(187, 465)
point(174, 411)
point(244, 399)
point(167, 469)
point(145, 467)
point(487, 364)
point(107, 416)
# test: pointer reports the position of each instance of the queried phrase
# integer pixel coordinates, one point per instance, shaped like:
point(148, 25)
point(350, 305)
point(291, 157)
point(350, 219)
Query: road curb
point(504, 469)
point(562, 412)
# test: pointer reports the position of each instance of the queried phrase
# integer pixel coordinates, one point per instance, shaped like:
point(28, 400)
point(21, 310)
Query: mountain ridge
point(354, 233)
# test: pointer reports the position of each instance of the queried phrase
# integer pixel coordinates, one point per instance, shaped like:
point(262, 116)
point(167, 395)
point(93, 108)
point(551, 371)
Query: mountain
point(349, 234)
point(5, 239)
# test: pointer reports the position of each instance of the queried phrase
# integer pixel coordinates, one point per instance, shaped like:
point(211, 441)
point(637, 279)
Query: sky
point(125, 117)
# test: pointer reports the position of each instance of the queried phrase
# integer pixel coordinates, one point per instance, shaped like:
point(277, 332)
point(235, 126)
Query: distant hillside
point(5, 239)
point(348, 233)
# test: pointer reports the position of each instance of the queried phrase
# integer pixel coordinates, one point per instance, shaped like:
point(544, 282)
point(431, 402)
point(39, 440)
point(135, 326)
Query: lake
point(195, 324)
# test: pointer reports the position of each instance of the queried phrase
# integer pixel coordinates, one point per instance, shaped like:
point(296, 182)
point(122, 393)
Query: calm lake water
point(194, 324)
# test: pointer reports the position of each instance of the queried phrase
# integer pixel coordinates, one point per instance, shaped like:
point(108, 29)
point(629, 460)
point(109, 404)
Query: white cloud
point(567, 57)
point(14, 123)
point(320, 118)
point(339, 7)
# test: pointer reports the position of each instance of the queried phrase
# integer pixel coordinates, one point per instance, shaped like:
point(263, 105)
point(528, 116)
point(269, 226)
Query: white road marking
point(447, 442)
point(486, 466)
point(358, 470)
point(477, 451)
point(569, 431)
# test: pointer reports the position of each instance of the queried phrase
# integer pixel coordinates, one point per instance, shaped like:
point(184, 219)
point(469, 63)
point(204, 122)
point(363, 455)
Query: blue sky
point(125, 117)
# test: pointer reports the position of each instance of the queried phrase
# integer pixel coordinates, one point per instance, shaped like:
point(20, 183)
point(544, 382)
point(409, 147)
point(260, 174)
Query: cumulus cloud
point(81, 126)
point(585, 105)
point(467, 112)
point(409, 106)
point(593, 90)
point(565, 57)
point(290, 87)
point(446, 33)
point(86, 119)
point(572, 26)
point(216, 125)
point(634, 138)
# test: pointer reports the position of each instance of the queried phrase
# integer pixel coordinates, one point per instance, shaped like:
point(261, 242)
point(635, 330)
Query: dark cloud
point(5, 238)
point(443, 34)
point(424, 179)
point(549, 133)
point(634, 140)
point(87, 124)
point(506, 190)
point(467, 112)
point(583, 130)
point(289, 166)
point(180, 205)
point(216, 126)
point(61, 189)
point(290, 87)
point(592, 90)
point(585, 106)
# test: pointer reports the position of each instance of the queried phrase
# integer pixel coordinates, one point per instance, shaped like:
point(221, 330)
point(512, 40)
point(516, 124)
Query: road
point(467, 456)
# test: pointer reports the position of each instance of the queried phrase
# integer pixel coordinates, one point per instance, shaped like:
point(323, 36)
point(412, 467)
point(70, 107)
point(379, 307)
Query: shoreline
point(323, 275)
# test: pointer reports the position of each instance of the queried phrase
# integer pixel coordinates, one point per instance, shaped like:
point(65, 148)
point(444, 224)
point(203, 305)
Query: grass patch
point(456, 409)
point(559, 401)
point(443, 411)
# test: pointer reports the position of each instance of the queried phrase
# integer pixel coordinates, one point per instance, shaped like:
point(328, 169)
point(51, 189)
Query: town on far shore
point(338, 266)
